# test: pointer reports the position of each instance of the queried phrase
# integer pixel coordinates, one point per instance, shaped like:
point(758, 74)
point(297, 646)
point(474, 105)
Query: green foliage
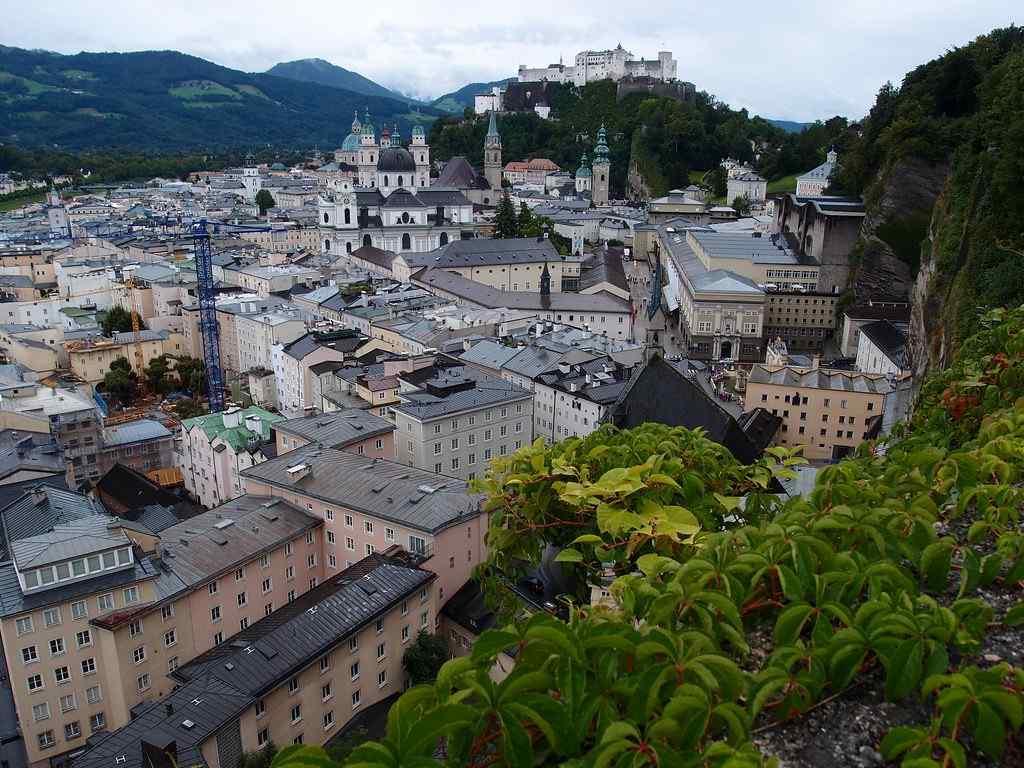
point(120, 383)
point(423, 658)
point(159, 375)
point(161, 100)
point(192, 374)
point(741, 205)
point(265, 201)
point(850, 579)
point(117, 319)
point(262, 758)
point(959, 118)
point(506, 225)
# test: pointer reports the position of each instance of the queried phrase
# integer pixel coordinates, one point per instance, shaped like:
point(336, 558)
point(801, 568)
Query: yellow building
point(829, 412)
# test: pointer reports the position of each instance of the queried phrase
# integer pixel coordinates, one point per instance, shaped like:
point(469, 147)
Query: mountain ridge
point(161, 100)
point(324, 72)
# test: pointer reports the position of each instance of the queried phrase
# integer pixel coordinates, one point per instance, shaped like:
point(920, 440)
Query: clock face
point(346, 200)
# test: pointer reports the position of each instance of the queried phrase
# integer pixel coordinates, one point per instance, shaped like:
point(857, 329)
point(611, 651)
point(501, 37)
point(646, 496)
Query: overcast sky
point(794, 60)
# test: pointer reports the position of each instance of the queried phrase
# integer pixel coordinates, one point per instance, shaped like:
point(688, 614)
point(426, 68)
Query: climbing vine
point(875, 575)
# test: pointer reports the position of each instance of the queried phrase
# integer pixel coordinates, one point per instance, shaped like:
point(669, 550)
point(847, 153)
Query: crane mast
point(208, 316)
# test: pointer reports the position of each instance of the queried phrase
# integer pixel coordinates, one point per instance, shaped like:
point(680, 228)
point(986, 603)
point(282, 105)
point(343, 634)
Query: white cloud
point(796, 60)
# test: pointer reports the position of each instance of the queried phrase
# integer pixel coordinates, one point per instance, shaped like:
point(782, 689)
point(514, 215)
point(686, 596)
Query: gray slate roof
point(40, 510)
point(487, 252)
point(338, 428)
point(384, 489)
point(221, 683)
point(821, 378)
point(66, 541)
point(197, 550)
point(135, 432)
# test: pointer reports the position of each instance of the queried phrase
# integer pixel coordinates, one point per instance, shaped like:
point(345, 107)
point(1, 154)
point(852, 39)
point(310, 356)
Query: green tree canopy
point(265, 201)
point(120, 383)
point(506, 224)
point(117, 319)
point(422, 660)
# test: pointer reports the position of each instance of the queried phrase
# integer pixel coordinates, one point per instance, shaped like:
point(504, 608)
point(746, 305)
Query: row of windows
point(61, 675)
point(69, 703)
point(30, 654)
point(79, 610)
point(803, 400)
point(72, 731)
point(75, 569)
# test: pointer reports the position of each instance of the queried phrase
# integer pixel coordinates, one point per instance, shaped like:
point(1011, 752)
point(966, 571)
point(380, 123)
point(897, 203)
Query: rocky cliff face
point(899, 205)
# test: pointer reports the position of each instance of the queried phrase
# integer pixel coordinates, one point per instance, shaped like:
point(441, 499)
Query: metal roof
point(65, 541)
point(135, 432)
point(383, 489)
point(821, 378)
point(197, 550)
point(338, 428)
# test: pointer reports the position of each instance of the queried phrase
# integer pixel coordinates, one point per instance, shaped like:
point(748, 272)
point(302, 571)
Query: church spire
point(492, 126)
point(545, 281)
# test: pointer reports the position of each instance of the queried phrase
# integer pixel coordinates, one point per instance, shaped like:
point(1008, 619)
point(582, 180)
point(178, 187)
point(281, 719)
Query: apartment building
point(229, 309)
point(573, 400)
point(297, 677)
point(828, 412)
point(257, 335)
point(513, 264)
point(370, 505)
point(90, 359)
point(803, 320)
point(292, 364)
point(62, 561)
point(452, 419)
point(215, 448)
point(98, 612)
point(68, 413)
point(354, 430)
point(143, 445)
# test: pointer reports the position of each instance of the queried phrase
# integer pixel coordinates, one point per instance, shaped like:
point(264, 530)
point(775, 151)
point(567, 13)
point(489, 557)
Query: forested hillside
point(668, 138)
point(164, 100)
point(940, 161)
point(326, 73)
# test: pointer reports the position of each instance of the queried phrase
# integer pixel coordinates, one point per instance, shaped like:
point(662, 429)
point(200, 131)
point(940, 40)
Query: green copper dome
point(350, 144)
point(584, 169)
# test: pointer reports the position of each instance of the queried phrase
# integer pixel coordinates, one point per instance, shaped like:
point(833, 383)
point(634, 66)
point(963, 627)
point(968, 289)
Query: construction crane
point(140, 361)
point(208, 305)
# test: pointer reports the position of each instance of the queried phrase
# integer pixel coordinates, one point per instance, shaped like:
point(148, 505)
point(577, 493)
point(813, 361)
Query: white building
point(614, 64)
point(815, 181)
point(214, 449)
point(257, 335)
point(453, 420)
point(882, 348)
point(748, 184)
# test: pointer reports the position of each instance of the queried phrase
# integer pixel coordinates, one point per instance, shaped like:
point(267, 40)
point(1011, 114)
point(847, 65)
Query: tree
point(506, 225)
point(741, 205)
point(159, 375)
point(117, 319)
point(187, 409)
point(121, 383)
point(192, 374)
point(424, 657)
point(528, 225)
point(265, 201)
point(718, 182)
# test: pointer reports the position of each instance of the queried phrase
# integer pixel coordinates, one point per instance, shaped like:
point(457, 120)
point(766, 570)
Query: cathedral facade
point(392, 205)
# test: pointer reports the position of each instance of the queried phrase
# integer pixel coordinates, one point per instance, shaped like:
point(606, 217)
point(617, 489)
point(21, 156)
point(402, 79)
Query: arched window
point(386, 182)
point(406, 242)
point(326, 218)
point(348, 247)
point(422, 158)
point(401, 181)
point(405, 218)
point(327, 245)
point(348, 216)
point(444, 238)
point(367, 242)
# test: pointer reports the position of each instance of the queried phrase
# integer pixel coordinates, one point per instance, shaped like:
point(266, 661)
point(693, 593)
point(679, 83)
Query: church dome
point(350, 144)
point(396, 159)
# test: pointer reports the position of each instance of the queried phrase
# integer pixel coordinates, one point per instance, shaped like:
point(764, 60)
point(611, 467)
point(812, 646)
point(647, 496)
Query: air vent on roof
point(358, 427)
point(268, 517)
point(267, 651)
point(367, 586)
point(426, 489)
point(223, 524)
point(269, 504)
point(188, 724)
point(192, 531)
point(229, 666)
point(379, 488)
point(183, 541)
point(120, 759)
point(249, 649)
point(218, 538)
point(415, 499)
point(314, 609)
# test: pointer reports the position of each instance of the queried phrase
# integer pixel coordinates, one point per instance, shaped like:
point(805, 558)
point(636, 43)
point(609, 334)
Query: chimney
point(170, 709)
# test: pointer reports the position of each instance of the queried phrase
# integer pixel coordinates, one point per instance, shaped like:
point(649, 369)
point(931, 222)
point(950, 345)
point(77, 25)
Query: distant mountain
point(325, 73)
point(788, 125)
point(456, 101)
point(166, 100)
